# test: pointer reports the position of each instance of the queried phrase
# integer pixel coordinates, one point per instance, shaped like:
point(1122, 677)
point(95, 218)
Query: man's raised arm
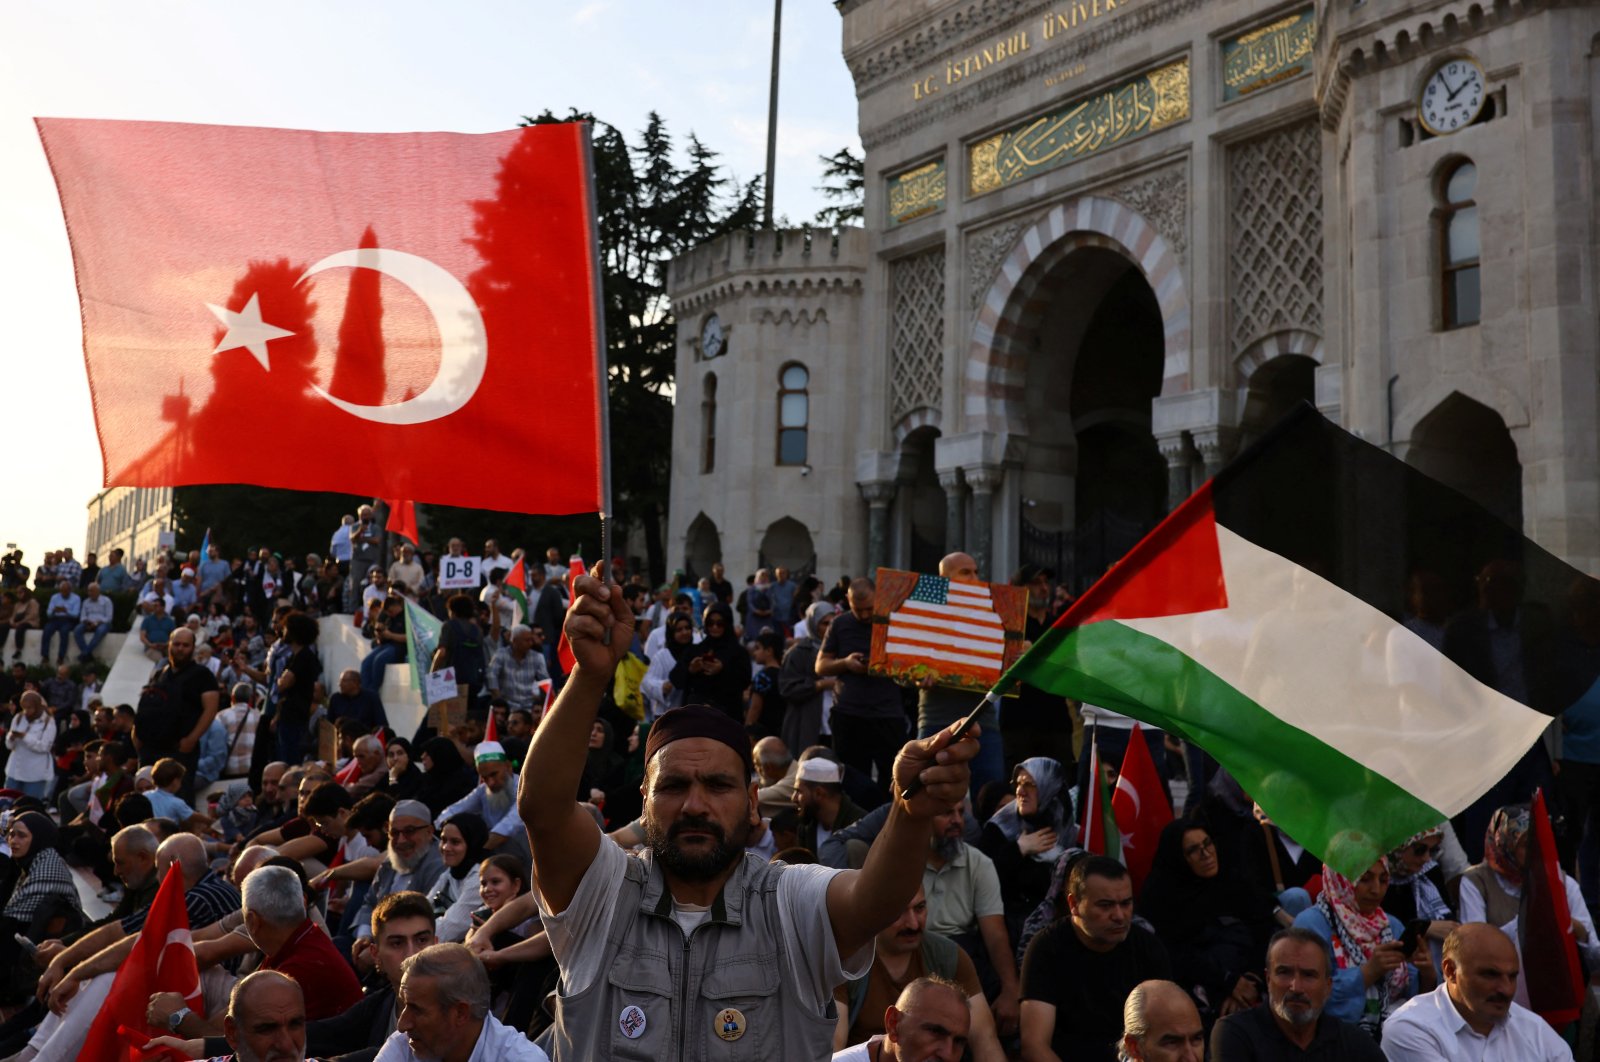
point(563, 837)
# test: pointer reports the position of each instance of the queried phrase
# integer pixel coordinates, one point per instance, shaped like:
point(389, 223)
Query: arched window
point(794, 414)
point(1459, 245)
point(708, 424)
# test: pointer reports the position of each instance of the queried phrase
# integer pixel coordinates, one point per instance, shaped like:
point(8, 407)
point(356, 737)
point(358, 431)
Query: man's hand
point(596, 611)
point(187, 745)
point(856, 662)
point(163, 1005)
point(942, 768)
point(62, 994)
point(47, 951)
point(49, 979)
point(1385, 957)
point(1007, 1011)
point(186, 1048)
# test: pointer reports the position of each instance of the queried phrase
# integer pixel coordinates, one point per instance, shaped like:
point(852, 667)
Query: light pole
point(772, 116)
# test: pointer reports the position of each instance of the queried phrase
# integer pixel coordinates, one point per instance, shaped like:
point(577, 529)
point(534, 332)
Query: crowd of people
point(714, 832)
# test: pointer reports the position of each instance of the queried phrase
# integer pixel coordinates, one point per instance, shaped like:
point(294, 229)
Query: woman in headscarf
point(660, 694)
point(716, 670)
point(602, 766)
point(1416, 887)
point(1027, 835)
point(44, 887)
point(1491, 891)
point(446, 777)
point(455, 892)
point(1214, 923)
point(1371, 974)
point(801, 686)
point(403, 779)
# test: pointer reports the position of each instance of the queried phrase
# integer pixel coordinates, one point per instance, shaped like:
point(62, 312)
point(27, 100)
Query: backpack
point(155, 721)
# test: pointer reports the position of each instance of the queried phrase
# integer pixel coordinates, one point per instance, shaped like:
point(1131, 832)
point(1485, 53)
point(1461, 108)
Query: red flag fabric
point(1098, 829)
point(564, 653)
point(388, 293)
point(162, 960)
point(489, 731)
point(403, 520)
point(1141, 807)
point(1544, 922)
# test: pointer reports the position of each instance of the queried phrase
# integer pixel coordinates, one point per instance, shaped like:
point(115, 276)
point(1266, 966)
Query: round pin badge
point(632, 1022)
point(729, 1024)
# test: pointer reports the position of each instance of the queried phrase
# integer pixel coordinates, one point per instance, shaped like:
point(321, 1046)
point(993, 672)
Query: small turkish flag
point(375, 304)
point(162, 960)
point(1141, 807)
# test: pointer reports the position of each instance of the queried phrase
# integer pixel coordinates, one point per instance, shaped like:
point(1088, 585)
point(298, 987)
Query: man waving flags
point(373, 303)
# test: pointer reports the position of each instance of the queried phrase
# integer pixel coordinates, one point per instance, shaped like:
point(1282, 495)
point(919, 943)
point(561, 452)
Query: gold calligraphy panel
point(916, 192)
point(1125, 112)
point(1268, 55)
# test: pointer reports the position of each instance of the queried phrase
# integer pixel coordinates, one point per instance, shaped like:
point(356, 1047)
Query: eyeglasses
point(1420, 849)
point(1207, 845)
point(405, 833)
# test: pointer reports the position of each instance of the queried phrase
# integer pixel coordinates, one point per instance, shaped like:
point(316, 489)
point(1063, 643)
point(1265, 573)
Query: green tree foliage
point(651, 208)
point(844, 181)
point(290, 522)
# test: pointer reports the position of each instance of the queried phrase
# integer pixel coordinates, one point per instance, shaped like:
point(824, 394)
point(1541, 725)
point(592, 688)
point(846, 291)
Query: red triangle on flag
point(162, 960)
point(1141, 806)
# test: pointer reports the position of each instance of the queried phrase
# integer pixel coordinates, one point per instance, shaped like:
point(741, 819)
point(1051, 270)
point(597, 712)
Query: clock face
point(711, 339)
point(1453, 97)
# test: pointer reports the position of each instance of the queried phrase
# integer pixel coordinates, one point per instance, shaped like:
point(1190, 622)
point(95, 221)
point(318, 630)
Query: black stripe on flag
point(1378, 528)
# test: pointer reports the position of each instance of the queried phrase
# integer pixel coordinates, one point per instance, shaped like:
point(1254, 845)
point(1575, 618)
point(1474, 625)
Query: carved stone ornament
point(986, 252)
point(1162, 199)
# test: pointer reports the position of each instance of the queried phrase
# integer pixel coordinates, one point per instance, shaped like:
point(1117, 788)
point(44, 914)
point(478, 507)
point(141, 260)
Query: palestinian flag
point(1259, 621)
point(1098, 831)
point(515, 586)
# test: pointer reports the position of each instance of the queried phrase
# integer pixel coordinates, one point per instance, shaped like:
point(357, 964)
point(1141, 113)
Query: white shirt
point(30, 743)
point(496, 1043)
point(579, 934)
point(861, 1052)
point(1429, 1028)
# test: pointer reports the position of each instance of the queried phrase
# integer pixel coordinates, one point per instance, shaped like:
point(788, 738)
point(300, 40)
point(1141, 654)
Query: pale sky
point(397, 65)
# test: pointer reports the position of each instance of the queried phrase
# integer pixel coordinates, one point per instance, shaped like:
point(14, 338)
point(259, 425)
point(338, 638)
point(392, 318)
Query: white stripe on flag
point(972, 591)
point(984, 616)
point(922, 652)
point(901, 632)
point(1330, 664)
point(907, 619)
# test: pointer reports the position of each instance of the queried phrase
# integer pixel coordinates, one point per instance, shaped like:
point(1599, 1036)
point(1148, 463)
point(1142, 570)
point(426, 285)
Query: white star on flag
point(246, 329)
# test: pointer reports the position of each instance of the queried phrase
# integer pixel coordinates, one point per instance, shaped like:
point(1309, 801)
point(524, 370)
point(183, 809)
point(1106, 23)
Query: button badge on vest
point(729, 1024)
point(632, 1022)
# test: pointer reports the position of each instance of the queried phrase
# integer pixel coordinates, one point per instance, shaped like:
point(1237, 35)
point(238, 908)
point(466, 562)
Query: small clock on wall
point(1452, 97)
point(712, 340)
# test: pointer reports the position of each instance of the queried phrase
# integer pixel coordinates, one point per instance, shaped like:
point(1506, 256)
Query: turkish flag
point(1544, 922)
point(381, 310)
point(162, 960)
point(1141, 807)
point(402, 520)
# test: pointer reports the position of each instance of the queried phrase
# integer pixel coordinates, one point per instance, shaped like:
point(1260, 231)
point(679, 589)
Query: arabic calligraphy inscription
point(1269, 54)
point(916, 192)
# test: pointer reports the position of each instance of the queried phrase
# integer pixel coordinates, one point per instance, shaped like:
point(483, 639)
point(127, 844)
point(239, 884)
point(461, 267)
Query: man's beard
point(947, 848)
point(247, 1055)
point(695, 868)
point(498, 802)
point(405, 866)
point(1305, 1015)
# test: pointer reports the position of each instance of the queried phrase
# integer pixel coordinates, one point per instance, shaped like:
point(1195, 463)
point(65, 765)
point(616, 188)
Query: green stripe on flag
point(1325, 800)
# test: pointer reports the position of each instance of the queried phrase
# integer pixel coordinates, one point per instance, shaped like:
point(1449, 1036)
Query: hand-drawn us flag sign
point(1260, 621)
point(927, 625)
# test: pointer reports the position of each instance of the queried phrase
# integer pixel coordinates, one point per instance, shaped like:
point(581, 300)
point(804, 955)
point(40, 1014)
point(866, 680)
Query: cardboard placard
point(961, 635)
point(327, 743)
point(439, 685)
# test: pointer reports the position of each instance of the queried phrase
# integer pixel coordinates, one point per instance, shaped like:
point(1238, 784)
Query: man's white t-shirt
point(578, 935)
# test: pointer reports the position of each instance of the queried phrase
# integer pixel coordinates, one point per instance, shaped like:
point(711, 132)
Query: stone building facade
point(131, 519)
point(1108, 242)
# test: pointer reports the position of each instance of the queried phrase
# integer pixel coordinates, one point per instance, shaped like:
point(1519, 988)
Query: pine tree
point(844, 179)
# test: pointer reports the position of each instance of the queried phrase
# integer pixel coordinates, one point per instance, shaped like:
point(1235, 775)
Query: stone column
point(878, 493)
point(1216, 446)
point(1175, 448)
point(984, 481)
point(955, 510)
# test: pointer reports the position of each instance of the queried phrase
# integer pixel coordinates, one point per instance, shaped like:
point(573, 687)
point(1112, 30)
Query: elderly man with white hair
point(78, 979)
point(368, 752)
point(444, 1013)
point(517, 670)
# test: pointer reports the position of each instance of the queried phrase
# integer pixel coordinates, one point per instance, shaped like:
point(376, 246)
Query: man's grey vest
point(738, 960)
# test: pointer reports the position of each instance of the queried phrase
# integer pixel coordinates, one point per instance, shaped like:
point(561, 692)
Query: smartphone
point(1416, 929)
point(27, 945)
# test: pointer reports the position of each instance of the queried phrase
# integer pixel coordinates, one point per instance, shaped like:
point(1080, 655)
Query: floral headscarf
point(1505, 833)
point(1355, 935)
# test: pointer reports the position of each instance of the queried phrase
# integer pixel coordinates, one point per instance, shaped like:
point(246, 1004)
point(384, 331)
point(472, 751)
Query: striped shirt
point(206, 901)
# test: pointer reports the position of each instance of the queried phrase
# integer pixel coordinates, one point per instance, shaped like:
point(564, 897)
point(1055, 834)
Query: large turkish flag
point(403, 315)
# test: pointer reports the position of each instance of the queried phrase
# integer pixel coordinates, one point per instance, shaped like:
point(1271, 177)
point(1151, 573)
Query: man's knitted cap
point(698, 720)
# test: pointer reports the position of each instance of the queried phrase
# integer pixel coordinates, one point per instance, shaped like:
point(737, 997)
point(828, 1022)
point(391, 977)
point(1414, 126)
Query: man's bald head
point(1160, 1024)
point(929, 1021)
point(188, 852)
point(1481, 967)
point(960, 567)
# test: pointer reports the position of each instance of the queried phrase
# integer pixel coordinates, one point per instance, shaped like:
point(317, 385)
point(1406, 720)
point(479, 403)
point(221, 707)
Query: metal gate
point(1082, 554)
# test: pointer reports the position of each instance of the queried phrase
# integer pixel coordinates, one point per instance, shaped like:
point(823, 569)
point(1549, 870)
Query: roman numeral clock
point(1452, 97)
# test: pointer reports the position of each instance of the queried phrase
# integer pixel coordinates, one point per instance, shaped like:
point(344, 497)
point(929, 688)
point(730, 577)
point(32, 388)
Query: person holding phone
point(715, 670)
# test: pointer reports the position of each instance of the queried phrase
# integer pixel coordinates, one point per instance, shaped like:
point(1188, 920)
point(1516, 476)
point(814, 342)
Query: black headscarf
point(44, 833)
point(1180, 903)
point(476, 833)
point(405, 787)
point(724, 690)
point(450, 779)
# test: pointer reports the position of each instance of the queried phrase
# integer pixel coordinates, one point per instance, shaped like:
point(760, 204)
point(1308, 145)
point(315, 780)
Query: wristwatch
point(175, 1019)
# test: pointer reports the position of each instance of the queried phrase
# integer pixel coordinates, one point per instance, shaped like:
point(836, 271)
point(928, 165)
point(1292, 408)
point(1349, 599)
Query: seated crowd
point(372, 896)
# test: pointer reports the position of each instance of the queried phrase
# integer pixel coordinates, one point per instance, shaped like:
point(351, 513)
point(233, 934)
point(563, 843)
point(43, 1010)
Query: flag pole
point(602, 373)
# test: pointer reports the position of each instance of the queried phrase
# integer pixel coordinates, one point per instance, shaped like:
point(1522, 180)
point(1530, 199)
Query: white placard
point(166, 539)
point(441, 685)
point(459, 573)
